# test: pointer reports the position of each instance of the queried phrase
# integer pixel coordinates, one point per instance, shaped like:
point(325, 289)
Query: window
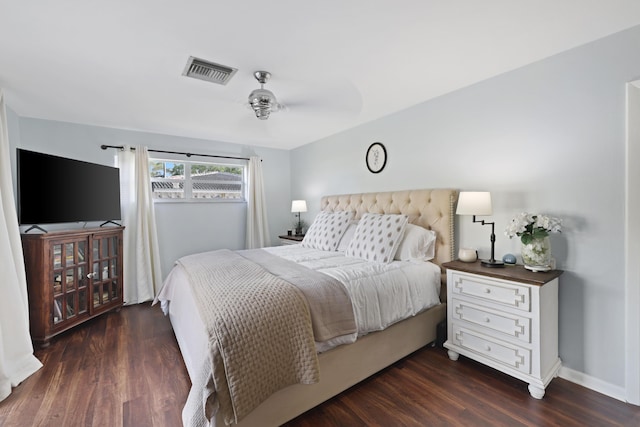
point(196, 181)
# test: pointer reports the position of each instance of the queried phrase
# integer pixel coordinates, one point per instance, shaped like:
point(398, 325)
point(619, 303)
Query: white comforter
point(381, 294)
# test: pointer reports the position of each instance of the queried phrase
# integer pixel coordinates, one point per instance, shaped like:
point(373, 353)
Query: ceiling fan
point(263, 101)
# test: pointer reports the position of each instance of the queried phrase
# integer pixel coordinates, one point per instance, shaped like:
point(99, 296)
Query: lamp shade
point(299, 206)
point(474, 203)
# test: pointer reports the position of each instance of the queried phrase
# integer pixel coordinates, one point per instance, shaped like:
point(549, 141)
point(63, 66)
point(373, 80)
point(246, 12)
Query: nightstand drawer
point(510, 324)
point(286, 239)
point(497, 291)
point(288, 242)
point(502, 352)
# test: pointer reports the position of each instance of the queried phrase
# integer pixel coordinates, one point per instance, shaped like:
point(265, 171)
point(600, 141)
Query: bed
point(340, 366)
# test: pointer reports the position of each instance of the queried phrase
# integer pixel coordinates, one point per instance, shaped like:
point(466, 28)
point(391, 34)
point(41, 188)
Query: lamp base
point(491, 263)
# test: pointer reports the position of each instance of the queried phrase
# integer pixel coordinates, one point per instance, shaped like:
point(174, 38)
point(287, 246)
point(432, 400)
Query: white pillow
point(347, 236)
point(418, 243)
point(377, 237)
point(326, 230)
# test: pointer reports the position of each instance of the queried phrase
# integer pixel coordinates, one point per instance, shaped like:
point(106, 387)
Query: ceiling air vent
point(209, 71)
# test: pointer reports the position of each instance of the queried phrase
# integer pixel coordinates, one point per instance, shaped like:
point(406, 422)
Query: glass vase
point(536, 255)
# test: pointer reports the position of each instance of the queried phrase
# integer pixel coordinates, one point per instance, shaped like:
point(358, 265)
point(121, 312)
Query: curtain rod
point(120, 147)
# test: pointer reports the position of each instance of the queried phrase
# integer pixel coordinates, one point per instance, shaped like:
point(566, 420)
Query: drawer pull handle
point(487, 290)
point(487, 320)
point(487, 348)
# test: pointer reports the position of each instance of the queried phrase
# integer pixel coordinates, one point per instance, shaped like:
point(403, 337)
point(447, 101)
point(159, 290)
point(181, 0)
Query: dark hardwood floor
point(119, 369)
point(125, 369)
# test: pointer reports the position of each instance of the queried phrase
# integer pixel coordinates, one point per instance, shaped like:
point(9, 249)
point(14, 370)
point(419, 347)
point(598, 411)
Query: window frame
point(188, 182)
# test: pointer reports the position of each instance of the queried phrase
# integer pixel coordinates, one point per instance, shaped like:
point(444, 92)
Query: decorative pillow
point(377, 237)
point(326, 230)
point(418, 243)
point(347, 236)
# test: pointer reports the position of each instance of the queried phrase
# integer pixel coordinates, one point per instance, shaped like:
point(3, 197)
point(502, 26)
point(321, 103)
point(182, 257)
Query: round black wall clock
point(376, 157)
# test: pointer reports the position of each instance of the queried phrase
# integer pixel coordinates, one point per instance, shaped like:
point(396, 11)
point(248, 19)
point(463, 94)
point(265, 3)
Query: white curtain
point(257, 226)
point(17, 361)
point(141, 264)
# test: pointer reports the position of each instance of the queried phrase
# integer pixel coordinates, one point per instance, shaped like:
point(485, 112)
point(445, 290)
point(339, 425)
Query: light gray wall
point(545, 138)
point(183, 228)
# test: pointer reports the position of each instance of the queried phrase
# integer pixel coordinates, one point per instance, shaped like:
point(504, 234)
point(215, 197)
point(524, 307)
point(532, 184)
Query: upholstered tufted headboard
point(431, 209)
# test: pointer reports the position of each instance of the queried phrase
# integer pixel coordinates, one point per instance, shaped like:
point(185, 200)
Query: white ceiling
point(335, 63)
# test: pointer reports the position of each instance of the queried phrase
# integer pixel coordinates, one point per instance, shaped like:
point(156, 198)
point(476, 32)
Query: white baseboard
point(592, 383)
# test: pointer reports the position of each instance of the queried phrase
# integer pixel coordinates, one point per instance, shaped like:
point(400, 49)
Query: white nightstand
point(290, 240)
point(506, 318)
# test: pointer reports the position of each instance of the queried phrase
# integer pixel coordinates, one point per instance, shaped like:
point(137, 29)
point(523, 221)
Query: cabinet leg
point(536, 392)
point(453, 355)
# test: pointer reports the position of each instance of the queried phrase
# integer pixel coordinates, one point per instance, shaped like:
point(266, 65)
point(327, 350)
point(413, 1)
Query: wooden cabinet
point(506, 318)
point(72, 276)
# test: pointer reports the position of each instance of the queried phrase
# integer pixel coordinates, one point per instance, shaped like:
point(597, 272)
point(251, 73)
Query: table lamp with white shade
point(298, 206)
point(479, 203)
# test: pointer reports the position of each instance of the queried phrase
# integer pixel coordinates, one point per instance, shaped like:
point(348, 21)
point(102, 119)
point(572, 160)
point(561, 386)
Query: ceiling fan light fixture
point(262, 97)
point(263, 101)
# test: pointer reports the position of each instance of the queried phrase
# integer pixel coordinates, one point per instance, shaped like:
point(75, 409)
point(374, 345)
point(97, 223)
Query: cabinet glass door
point(69, 280)
point(56, 283)
point(105, 271)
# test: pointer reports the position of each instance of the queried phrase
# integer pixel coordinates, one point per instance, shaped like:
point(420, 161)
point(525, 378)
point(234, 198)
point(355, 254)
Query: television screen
point(54, 189)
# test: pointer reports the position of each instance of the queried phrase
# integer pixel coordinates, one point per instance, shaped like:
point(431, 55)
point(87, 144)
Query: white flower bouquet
point(530, 227)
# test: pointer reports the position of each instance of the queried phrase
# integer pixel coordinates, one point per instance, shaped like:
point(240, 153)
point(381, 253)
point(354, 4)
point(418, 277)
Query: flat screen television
point(54, 189)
